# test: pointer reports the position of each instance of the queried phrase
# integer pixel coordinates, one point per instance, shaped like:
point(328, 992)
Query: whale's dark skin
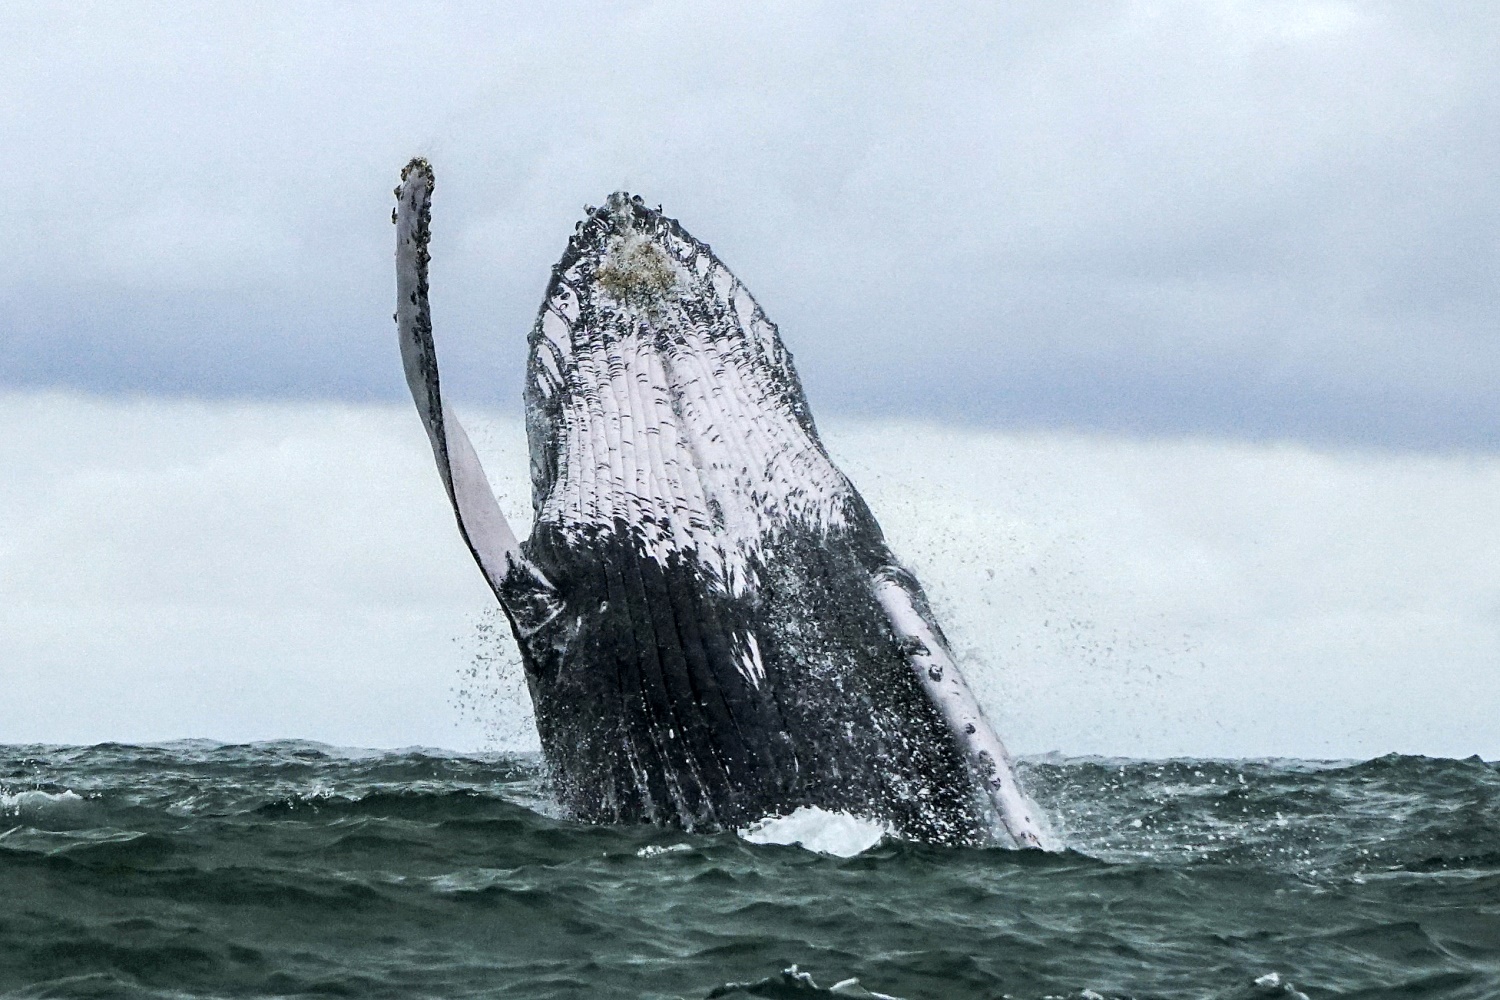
point(712, 626)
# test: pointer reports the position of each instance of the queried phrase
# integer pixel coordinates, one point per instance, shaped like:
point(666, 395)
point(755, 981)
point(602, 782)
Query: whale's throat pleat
point(665, 405)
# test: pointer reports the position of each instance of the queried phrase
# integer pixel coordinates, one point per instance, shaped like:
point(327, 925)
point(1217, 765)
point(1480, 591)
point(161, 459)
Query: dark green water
point(291, 869)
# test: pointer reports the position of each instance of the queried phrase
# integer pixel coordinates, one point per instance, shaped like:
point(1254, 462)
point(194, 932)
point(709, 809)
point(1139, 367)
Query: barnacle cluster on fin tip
point(419, 163)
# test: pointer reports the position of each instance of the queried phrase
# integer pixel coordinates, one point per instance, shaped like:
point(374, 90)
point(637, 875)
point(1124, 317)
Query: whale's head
point(662, 404)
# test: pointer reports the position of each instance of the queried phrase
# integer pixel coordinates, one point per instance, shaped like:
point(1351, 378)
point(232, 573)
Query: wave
point(837, 833)
point(295, 869)
point(33, 801)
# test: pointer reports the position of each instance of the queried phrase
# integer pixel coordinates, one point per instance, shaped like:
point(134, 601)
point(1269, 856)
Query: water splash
point(837, 833)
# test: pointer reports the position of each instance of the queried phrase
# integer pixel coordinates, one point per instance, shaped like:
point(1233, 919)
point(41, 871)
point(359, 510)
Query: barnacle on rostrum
point(637, 272)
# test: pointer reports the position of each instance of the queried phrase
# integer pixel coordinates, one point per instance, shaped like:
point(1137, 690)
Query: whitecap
point(1272, 985)
point(837, 833)
point(652, 850)
point(794, 980)
point(15, 803)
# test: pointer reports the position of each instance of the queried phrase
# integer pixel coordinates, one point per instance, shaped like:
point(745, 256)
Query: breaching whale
point(712, 627)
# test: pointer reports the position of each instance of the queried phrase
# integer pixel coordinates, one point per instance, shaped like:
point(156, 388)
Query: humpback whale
point(712, 627)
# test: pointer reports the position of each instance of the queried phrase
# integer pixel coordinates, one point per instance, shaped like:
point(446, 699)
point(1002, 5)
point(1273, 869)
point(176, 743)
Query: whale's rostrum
point(712, 626)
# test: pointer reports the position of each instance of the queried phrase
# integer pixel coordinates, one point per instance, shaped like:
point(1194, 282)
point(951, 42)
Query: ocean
point(292, 869)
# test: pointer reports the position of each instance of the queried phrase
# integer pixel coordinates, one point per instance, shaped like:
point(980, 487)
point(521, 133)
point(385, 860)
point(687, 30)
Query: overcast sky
point(250, 571)
point(1246, 220)
point(1164, 339)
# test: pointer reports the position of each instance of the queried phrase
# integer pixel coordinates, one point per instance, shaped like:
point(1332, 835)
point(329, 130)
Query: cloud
point(1117, 595)
point(1260, 221)
point(253, 570)
point(227, 570)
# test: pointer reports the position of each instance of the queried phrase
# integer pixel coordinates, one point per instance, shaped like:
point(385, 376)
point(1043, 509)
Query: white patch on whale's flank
point(555, 329)
point(751, 667)
point(671, 421)
point(838, 833)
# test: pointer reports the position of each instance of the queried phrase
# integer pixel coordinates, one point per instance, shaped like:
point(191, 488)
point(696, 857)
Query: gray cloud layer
point(249, 571)
point(1244, 219)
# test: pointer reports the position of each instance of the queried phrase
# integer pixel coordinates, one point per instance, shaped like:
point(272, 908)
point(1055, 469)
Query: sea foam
point(35, 801)
point(837, 833)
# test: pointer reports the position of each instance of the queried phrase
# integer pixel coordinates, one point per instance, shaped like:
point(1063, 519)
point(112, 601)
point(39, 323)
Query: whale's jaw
point(712, 625)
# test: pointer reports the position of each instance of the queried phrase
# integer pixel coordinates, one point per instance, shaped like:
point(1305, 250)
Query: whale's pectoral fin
point(926, 651)
point(528, 598)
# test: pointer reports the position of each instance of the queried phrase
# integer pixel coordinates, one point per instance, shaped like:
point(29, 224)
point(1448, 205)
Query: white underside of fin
point(484, 527)
point(940, 677)
point(495, 546)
